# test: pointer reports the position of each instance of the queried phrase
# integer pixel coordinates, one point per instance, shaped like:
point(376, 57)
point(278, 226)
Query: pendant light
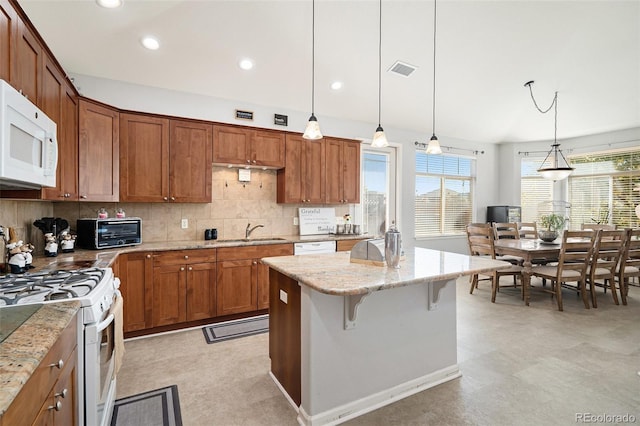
point(312, 131)
point(557, 171)
point(434, 144)
point(379, 138)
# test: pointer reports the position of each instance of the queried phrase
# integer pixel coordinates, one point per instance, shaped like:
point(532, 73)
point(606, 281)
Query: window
point(534, 189)
point(601, 188)
point(444, 195)
point(377, 207)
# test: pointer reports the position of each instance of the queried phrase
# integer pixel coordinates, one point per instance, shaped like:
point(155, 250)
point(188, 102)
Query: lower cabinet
point(243, 281)
point(135, 271)
point(184, 286)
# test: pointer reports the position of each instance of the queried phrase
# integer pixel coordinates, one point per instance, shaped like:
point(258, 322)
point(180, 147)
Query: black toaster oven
point(107, 233)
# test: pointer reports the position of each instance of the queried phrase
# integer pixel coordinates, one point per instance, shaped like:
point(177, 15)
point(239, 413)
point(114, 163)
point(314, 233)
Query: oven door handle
point(104, 324)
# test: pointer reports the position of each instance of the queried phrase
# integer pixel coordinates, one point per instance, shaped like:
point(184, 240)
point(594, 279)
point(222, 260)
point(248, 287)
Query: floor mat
point(234, 329)
point(160, 407)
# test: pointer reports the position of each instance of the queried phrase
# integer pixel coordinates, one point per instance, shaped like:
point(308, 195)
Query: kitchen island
point(347, 338)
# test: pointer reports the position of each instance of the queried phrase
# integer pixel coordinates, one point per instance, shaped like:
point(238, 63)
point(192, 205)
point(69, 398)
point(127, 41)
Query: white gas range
point(97, 291)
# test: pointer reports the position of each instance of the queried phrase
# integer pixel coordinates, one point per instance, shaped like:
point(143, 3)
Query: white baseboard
point(284, 392)
point(380, 399)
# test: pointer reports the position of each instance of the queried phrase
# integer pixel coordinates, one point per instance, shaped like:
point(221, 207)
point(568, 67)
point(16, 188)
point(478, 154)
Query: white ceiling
point(589, 51)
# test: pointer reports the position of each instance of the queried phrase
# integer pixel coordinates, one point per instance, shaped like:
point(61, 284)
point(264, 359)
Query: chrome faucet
point(249, 230)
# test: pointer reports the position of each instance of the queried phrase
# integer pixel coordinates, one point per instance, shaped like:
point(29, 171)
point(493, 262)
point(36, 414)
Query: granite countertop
point(81, 258)
point(335, 274)
point(24, 349)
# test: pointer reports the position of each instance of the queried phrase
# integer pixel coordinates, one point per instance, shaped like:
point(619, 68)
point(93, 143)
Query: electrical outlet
point(295, 221)
point(185, 223)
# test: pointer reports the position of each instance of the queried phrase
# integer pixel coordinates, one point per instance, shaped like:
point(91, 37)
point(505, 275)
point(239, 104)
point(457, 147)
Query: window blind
point(534, 189)
point(444, 198)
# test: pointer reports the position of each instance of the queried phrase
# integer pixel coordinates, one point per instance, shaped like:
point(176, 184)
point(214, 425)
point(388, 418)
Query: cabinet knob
point(57, 406)
point(254, 161)
point(83, 197)
point(62, 394)
point(249, 161)
point(165, 198)
point(254, 262)
point(190, 268)
point(58, 364)
point(173, 198)
point(186, 256)
point(182, 268)
point(148, 256)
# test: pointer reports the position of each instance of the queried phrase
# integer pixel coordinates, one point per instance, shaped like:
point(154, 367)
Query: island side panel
point(284, 333)
point(396, 341)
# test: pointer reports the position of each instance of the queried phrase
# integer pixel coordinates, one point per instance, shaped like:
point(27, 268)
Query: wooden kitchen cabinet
point(184, 286)
point(164, 160)
point(98, 152)
point(244, 146)
point(52, 384)
point(8, 33)
point(342, 171)
point(28, 61)
point(60, 103)
point(135, 271)
point(243, 282)
point(303, 178)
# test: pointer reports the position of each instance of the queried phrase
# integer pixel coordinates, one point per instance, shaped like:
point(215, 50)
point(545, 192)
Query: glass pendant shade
point(434, 146)
point(379, 138)
point(312, 131)
point(555, 172)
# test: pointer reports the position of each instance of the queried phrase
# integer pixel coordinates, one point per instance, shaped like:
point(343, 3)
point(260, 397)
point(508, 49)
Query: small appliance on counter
point(95, 233)
point(371, 252)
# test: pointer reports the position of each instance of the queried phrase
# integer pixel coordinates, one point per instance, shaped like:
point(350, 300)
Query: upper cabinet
point(242, 146)
point(303, 178)
point(343, 171)
point(98, 171)
point(164, 160)
point(8, 32)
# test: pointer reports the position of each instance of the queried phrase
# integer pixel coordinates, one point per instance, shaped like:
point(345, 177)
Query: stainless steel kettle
point(392, 247)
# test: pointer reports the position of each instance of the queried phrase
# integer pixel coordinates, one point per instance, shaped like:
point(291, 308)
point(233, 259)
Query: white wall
point(161, 101)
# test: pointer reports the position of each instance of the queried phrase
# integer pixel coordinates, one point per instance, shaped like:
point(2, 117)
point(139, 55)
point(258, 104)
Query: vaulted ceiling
point(588, 51)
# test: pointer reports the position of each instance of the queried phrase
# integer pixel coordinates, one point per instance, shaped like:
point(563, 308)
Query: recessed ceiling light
point(246, 64)
point(109, 4)
point(150, 43)
point(336, 85)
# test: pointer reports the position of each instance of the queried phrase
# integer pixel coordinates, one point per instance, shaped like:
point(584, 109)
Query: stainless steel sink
point(248, 240)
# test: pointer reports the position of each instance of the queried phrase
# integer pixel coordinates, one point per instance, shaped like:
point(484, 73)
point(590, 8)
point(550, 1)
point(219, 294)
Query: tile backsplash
point(234, 204)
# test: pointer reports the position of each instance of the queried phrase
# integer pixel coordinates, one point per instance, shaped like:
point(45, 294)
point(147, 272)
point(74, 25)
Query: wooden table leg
point(526, 280)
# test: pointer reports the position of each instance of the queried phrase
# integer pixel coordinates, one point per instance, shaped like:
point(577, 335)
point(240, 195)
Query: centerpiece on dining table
point(554, 223)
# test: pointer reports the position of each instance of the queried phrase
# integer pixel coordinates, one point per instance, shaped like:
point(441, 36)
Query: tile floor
point(521, 366)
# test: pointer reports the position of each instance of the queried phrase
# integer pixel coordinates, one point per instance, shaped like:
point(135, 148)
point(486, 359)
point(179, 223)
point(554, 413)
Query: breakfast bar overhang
point(347, 338)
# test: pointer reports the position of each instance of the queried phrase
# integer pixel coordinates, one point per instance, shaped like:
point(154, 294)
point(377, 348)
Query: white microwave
point(28, 144)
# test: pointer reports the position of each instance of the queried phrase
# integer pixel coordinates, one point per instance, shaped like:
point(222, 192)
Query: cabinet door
point(51, 104)
point(351, 172)
point(8, 32)
point(201, 291)
point(68, 144)
point(314, 171)
point(263, 286)
point(169, 295)
point(98, 167)
point(231, 145)
point(136, 285)
point(334, 171)
point(190, 162)
point(144, 158)
point(236, 286)
point(290, 180)
point(64, 392)
point(267, 148)
point(28, 63)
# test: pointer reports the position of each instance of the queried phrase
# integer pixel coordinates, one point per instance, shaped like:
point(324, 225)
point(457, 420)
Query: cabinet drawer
point(254, 252)
point(27, 403)
point(181, 257)
point(346, 245)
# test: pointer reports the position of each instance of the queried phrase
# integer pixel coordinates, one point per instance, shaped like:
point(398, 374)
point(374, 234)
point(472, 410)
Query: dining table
point(529, 250)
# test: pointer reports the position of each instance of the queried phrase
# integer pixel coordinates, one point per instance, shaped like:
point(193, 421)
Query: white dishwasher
point(316, 247)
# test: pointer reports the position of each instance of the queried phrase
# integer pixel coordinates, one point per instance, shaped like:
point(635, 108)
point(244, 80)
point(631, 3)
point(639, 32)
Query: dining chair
point(480, 237)
point(528, 230)
point(597, 226)
point(604, 262)
point(629, 265)
point(507, 230)
point(575, 253)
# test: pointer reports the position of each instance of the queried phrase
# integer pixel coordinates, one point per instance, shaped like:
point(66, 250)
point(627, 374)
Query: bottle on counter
point(392, 247)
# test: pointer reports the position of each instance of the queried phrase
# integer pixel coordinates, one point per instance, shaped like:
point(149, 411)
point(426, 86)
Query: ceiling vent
point(402, 69)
